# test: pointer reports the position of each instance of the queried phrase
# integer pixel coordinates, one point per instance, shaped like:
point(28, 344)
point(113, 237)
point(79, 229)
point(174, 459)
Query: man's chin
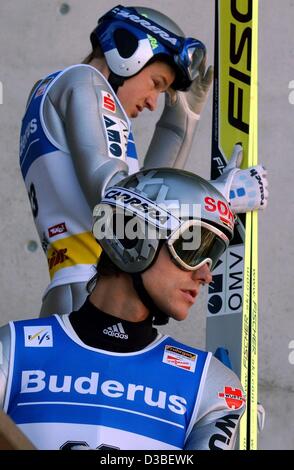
point(179, 314)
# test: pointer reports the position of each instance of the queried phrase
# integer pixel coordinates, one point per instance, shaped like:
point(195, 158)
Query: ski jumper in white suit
point(76, 140)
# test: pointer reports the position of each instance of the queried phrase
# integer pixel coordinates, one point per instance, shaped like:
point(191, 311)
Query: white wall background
point(35, 39)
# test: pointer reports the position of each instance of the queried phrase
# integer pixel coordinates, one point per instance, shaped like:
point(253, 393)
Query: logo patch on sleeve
point(57, 230)
point(38, 336)
point(233, 397)
point(179, 358)
point(42, 88)
point(117, 136)
point(108, 102)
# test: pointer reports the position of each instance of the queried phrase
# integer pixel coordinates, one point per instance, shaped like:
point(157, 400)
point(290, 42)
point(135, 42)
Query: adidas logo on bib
point(116, 331)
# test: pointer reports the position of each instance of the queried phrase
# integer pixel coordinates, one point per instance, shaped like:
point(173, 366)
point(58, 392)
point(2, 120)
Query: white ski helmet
point(165, 205)
point(130, 37)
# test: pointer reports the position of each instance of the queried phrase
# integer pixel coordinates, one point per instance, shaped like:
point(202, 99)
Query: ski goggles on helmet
point(187, 53)
point(189, 58)
point(196, 243)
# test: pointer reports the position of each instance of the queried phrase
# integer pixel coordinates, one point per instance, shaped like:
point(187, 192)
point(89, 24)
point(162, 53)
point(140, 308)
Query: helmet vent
point(125, 42)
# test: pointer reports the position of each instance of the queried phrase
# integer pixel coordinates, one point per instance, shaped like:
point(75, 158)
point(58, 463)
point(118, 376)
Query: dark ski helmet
point(131, 37)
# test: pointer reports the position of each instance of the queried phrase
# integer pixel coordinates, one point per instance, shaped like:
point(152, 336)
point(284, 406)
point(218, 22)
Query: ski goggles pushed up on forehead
point(196, 243)
point(187, 53)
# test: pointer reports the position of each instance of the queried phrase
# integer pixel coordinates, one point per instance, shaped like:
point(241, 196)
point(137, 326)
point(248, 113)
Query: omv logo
point(38, 337)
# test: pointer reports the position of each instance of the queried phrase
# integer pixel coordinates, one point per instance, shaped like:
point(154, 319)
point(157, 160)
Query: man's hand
point(198, 92)
point(173, 137)
point(196, 96)
point(247, 189)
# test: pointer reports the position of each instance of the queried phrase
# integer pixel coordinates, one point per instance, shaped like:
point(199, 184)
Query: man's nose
point(151, 101)
point(203, 274)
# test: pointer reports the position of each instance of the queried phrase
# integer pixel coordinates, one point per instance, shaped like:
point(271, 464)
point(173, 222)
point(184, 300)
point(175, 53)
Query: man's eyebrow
point(164, 80)
point(161, 77)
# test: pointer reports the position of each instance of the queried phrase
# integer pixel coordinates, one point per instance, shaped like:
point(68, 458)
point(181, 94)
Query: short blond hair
point(95, 54)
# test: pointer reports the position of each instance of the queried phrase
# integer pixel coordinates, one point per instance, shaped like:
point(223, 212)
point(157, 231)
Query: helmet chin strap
point(160, 318)
point(115, 81)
